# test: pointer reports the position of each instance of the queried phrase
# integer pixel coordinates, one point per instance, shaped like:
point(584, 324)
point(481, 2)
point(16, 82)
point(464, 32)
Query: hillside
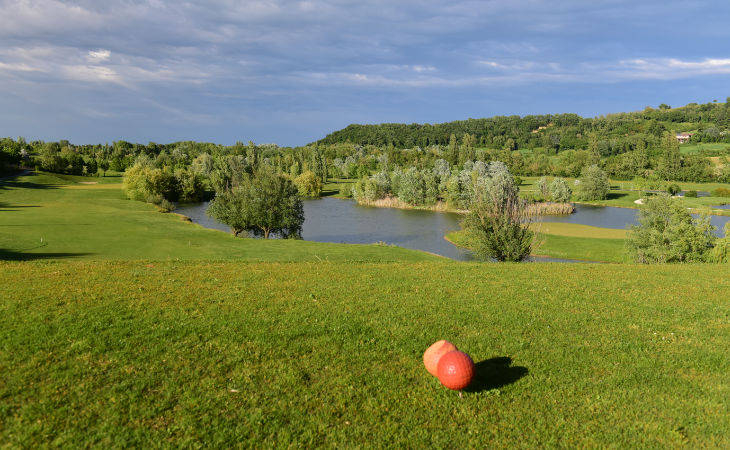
point(611, 133)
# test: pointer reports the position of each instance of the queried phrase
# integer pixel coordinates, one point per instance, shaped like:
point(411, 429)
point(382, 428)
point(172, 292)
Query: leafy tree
point(542, 186)
point(667, 233)
point(721, 252)
point(263, 203)
point(593, 184)
point(498, 220)
point(560, 191)
point(674, 189)
point(412, 187)
point(188, 185)
point(308, 184)
point(670, 162)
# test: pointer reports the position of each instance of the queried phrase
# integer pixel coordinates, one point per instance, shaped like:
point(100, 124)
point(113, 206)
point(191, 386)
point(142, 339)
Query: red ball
point(455, 370)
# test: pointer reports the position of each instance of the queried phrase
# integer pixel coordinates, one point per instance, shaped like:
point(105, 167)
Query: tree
point(593, 184)
point(498, 222)
point(308, 184)
point(560, 191)
point(263, 203)
point(667, 233)
point(721, 252)
point(542, 186)
point(671, 160)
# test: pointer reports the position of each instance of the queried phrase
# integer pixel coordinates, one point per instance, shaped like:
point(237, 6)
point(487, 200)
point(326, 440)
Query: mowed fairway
point(47, 216)
point(124, 353)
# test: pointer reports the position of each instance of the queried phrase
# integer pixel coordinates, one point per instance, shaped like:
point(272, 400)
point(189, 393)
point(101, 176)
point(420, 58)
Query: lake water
point(618, 218)
point(343, 221)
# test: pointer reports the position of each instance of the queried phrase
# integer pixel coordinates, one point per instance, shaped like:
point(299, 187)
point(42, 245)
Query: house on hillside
point(683, 138)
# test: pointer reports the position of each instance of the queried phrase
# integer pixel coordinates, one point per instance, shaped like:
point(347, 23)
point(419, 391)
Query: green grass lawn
point(228, 354)
point(622, 195)
point(693, 149)
point(47, 216)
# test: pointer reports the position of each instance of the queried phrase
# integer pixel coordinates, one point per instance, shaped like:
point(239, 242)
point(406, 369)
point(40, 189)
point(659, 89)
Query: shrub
point(560, 191)
point(499, 222)
point(593, 184)
point(721, 252)
point(346, 190)
point(308, 184)
point(518, 181)
point(691, 194)
point(673, 189)
point(721, 192)
point(667, 233)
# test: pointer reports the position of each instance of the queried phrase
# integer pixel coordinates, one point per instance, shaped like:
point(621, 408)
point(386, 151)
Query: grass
point(223, 354)
point(333, 185)
point(47, 216)
point(622, 195)
point(701, 148)
point(570, 241)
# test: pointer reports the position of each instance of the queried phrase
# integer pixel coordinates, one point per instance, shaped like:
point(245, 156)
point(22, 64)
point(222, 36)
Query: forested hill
point(710, 122)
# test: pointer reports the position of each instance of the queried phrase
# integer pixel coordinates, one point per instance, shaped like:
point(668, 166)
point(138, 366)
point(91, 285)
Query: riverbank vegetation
point(223, 354)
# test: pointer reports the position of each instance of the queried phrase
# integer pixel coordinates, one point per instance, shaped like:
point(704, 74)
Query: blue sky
point(290, 72)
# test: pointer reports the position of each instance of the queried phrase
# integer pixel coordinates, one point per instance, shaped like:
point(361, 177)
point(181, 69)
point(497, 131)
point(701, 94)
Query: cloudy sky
point(290, 72)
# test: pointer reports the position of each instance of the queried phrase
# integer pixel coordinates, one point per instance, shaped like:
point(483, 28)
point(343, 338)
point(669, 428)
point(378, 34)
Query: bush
point(721, 252)
point(673, 189)
point(560, 191)
point(721, 192)
point(691, 194)
point(667, 233)
point(346, 190)
point(593, 184)
point(499, 222)
point(308, 184)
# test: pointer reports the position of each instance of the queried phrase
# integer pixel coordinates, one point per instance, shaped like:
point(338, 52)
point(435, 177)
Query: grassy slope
point(45, 216)
point(228, 354)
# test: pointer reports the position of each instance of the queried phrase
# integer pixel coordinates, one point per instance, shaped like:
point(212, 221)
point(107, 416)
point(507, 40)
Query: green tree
point(721, 251)
point(308, 184)
point(498, 222)
point(593, 184)
point(452, 153)
point(667, 233)
point(560, 191)
point(263, 203)
point(670, 163)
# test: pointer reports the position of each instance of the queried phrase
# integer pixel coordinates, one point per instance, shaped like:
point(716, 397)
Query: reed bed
point(550, 209)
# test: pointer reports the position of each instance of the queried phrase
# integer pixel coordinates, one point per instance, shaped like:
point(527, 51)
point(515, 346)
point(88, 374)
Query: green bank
point(50, 216)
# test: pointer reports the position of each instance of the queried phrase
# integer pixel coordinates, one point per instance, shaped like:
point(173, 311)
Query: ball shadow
point(494, 373)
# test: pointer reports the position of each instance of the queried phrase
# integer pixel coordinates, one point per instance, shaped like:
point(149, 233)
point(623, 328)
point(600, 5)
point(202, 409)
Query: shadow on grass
point(3, 207)
point(12, 255)
point(616, 195)
point(494, 373)
point(11, 182)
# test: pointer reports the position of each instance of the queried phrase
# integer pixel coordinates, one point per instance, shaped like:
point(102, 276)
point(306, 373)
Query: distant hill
point(709, 121)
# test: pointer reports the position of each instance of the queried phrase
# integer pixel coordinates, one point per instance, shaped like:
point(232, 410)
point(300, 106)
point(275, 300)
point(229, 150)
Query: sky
point(290, 72)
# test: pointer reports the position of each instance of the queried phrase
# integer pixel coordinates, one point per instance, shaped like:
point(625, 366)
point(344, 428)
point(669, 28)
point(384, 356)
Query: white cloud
point(99, 55)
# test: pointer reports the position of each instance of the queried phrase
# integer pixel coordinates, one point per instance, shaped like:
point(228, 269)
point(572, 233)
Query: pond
point(343, 221)
point(619, 218)
point(331, 219)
